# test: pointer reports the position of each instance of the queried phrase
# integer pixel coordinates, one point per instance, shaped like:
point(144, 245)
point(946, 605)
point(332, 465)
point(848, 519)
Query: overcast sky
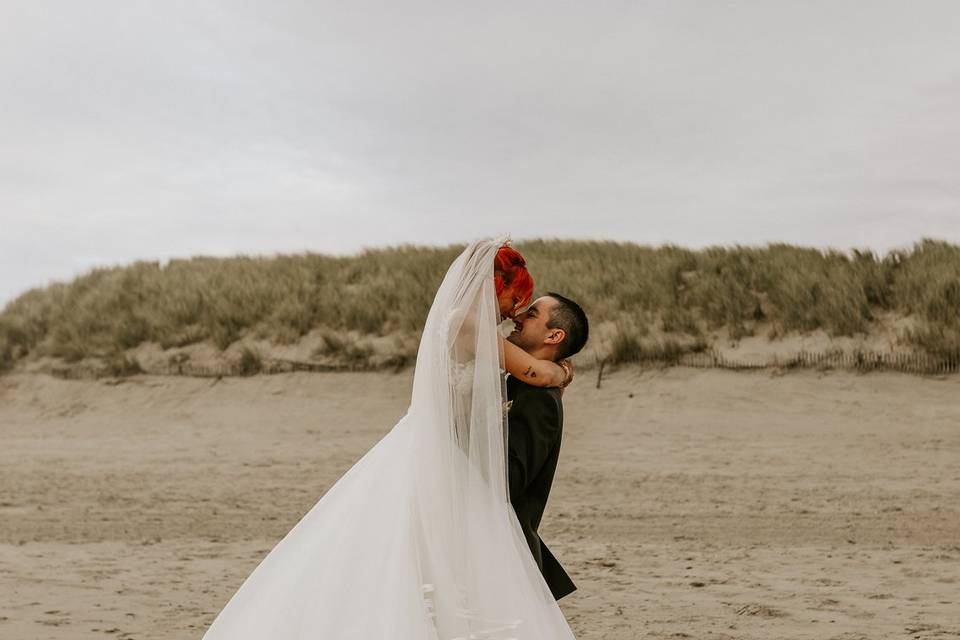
point(136, 130)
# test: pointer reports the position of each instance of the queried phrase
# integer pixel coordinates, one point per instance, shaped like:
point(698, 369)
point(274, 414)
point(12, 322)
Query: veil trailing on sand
point(417, 541)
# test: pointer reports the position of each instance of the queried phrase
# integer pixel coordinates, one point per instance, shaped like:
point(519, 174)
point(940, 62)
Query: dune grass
point(645, 292)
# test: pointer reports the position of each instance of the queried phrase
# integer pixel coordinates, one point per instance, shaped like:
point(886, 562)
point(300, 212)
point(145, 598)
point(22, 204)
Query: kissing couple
point(432, 534)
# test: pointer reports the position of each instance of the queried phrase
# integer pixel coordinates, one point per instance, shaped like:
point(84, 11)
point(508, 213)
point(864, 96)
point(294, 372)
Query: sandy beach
point(688, 503)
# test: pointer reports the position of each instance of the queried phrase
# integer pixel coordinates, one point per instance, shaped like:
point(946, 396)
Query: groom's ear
point(556, 337)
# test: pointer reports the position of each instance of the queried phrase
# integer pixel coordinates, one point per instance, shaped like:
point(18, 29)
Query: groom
point(552, 328)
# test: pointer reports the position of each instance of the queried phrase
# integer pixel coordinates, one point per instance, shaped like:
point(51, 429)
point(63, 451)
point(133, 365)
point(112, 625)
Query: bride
point(418, 540)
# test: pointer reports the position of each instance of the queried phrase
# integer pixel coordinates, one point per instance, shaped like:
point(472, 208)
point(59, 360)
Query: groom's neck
point(544, 352)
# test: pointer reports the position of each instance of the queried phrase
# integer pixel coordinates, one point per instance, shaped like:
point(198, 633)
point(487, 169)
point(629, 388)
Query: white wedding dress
point(418, 540)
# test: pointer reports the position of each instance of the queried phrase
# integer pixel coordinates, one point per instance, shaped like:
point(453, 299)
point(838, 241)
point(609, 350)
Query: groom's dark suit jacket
point(534, 428)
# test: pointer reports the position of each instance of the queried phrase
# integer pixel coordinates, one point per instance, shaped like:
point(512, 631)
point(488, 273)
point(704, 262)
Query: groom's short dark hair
point(568, 315)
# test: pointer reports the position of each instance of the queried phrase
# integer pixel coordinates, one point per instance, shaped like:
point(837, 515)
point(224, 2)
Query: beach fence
point(861, 360)
point(227, 369)
point(916, 363)
point(181, 367)
point(856, 360)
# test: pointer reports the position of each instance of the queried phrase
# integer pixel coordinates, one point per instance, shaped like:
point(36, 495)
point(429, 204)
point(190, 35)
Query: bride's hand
point(568, 369)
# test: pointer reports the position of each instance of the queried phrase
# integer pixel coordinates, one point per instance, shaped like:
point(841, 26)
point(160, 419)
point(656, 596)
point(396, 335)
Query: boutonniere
point(506, 405)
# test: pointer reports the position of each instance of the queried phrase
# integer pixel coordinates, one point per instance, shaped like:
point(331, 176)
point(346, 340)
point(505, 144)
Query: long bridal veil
point(417, 541)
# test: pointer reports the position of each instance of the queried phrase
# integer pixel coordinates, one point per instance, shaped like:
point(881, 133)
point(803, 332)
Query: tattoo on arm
point(530, 372)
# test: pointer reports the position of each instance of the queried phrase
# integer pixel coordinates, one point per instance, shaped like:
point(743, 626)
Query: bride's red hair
point(510, 269)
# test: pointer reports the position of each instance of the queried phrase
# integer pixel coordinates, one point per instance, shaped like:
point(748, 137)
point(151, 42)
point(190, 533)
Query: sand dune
point(688, 503)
